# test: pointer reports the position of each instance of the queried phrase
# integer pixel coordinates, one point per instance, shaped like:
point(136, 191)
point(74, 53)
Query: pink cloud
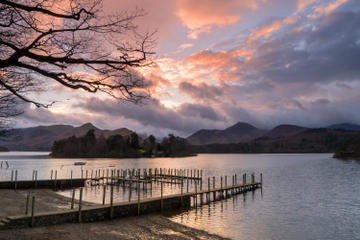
point(201, 15)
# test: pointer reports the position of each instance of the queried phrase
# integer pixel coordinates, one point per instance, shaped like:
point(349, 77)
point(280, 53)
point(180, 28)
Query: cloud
point(183, 120)
point(185, 45)
point(201, 15)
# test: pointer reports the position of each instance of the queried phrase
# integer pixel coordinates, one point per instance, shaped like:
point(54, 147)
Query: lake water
point(304, 196)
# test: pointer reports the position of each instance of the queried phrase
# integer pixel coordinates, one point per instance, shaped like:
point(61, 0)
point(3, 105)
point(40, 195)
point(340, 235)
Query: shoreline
point(152, 226)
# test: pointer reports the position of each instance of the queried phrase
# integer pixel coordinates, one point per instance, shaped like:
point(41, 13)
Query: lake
point(304, 196)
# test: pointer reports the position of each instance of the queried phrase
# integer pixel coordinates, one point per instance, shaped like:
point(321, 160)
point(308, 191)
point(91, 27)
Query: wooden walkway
point(132, 208)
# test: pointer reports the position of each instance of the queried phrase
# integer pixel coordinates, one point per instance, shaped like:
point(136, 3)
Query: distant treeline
point(319, 140)
point(349, 149)
point(344, 143)
point(118, 146)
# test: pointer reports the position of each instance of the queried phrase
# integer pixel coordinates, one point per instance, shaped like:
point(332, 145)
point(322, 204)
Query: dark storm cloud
point(185, 119)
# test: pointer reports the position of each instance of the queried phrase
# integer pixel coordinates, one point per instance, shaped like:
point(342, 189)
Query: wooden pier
point(132, 208)
point(47, 183)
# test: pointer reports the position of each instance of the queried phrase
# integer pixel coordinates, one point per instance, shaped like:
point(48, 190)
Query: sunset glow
point(265, 62)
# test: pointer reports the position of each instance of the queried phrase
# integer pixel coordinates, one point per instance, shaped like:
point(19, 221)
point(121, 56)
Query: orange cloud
point(322, 10)
point(200, 15)
point(264, 31)
point(302, 4)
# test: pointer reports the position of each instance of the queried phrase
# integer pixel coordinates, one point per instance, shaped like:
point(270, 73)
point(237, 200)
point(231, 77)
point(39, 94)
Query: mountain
point(240, 132)
point(314, 140)
point(41, 138)
point(283, 130)
point(345, 126)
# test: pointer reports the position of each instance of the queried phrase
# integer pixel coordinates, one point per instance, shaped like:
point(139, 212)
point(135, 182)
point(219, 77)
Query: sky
point(265, 62)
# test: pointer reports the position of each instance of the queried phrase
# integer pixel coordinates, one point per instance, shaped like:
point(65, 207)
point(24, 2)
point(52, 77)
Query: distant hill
point(41, 138)
point(345, 126)
point(240, 132)
point(316, 140)
point(284, 130)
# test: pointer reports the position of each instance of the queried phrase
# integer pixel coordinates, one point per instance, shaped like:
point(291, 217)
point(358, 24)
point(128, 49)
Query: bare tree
point(73, 43)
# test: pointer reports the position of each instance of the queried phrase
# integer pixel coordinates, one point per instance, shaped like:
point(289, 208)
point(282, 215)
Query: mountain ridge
point(41, 138)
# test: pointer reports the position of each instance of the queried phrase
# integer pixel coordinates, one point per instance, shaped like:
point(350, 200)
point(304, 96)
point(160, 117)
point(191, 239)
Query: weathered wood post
point(51, 174)
point(32, 211)
point(104, 194)
point(208, 195)
point(80, 205)
point(71, 176)
point(36, 177)
point(261, 179)
point(111, 202)
point(16, 176)
point(195, 193)
point(27, 203)
point(187, 185)
point(162, 200)
point(214, 192)
point(226, 192)
point(55, 178)
point(221, 187)
point(12, 175)
point(72, 198)
point(86, 174)
point(138, 183)
point(182, 192)
point(130, 190)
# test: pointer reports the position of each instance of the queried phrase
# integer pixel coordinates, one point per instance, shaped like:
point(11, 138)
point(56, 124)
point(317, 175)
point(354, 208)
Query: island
point(118, 146)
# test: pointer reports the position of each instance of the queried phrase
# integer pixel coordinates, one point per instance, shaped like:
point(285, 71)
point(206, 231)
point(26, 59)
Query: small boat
point(79, 163)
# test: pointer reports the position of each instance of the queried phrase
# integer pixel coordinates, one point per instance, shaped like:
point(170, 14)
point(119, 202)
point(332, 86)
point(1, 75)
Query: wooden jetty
point(132, 208)
point(47, 183)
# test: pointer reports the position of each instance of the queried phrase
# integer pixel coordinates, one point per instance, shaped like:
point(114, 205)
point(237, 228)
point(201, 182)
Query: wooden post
point(111, 201)
point(182, 192)
point(86, 174)
point(27, 203)
point(261, 180)
point(226, 192)
point(162, 200)
point(32, 211)
point(51, 174)
point(16, 176)
point(92, 171)
point(36, 172)
point(214, 192)
point(72, 198)
point(71, 175)
point(221, 187)
point(208, 195)
point(12, 175)
point(55, 178)
point(139, 196)
point(187, 185)
point(104, 194)
point(195, 193)
point(80, 204)
point(130, 190)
